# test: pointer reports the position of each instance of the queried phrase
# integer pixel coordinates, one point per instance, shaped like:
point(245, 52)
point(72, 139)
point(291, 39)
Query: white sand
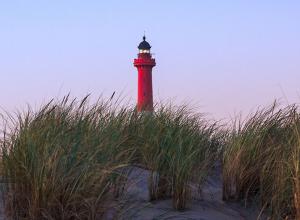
point(210, 206)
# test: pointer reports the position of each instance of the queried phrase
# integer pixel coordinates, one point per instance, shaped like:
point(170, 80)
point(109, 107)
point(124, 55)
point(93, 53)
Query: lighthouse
point(144, 64)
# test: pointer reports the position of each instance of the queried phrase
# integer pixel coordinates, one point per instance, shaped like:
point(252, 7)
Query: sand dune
point(207, 206)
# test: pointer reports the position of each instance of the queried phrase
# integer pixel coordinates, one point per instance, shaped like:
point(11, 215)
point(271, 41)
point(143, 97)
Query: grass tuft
point(261, 161)
point(65, 161)
point(179, 148)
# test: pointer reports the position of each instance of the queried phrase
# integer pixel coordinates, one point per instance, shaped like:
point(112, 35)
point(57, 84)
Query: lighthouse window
point(144, 51)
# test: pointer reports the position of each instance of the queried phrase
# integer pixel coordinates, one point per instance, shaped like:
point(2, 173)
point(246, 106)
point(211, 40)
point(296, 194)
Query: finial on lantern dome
point(144, 45)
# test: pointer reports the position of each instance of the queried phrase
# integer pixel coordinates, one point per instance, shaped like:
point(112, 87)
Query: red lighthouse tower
point(144, 64)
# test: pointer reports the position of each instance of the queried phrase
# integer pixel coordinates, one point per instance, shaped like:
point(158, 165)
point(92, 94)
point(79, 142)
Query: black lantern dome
point(144, 45)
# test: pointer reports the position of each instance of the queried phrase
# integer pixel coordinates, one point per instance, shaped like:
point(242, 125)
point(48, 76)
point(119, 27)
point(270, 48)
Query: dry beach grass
point(64, 161)
point(261, 161)
point(71, 160)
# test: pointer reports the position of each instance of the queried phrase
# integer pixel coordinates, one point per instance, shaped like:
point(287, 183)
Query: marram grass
point(179, 148)
point(64, 161)
point(71, 160)
point(261, 161)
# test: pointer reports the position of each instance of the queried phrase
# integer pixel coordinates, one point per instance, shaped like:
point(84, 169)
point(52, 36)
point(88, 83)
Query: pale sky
point(225, 57)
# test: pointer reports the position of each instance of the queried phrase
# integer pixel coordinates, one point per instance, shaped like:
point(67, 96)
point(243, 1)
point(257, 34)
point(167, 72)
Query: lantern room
point(144, 46)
